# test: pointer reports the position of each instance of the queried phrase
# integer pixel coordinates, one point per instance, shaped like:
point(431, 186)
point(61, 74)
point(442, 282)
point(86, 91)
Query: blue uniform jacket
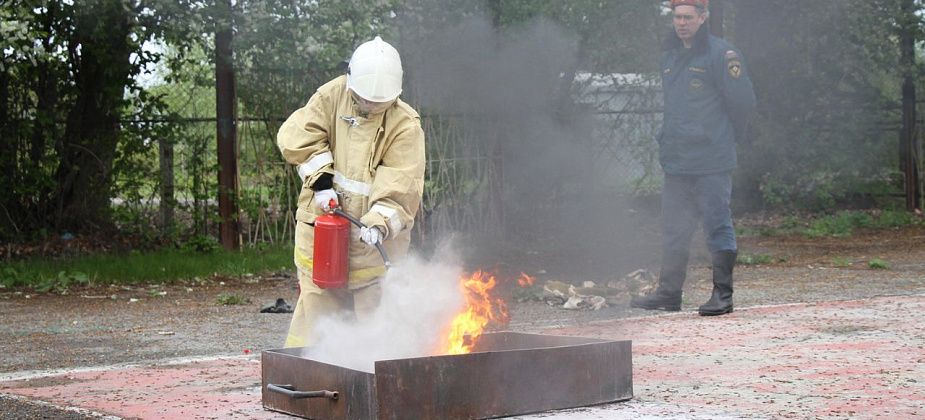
point(708, 101)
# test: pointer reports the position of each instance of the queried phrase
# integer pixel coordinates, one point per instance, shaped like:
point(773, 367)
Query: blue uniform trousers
point(689, 198)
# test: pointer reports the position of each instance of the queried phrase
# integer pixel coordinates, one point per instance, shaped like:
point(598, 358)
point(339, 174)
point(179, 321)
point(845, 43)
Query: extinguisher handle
point(358, 223)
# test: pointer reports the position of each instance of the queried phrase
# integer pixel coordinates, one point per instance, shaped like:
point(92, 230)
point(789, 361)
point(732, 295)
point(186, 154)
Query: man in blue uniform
point(708, 100)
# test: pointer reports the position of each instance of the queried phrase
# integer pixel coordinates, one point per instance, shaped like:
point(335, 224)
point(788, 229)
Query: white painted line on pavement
point(34, 374)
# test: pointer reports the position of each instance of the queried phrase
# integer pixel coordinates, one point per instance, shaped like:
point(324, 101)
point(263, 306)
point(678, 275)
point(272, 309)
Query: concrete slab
point(858, 359)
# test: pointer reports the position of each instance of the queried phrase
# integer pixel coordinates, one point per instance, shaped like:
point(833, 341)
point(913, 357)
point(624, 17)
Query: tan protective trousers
point(315, 302)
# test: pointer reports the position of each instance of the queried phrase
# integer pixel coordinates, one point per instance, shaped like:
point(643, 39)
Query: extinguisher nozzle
point(385, 258)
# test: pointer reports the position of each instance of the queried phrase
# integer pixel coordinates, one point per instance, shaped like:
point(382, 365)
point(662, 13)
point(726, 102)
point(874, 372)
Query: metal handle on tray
point(290, 391)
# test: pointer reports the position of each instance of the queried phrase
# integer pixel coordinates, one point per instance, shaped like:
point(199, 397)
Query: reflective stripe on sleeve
point(314, 164)
point(389, 214)
point(349, 185)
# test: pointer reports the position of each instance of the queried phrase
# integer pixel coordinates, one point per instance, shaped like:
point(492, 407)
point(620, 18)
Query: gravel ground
point(804, 270)
point(14, 407)
point(110, 325)
point(115, 325)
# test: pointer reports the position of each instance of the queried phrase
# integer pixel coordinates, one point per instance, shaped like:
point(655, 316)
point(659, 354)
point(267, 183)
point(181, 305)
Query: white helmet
point(374, 72)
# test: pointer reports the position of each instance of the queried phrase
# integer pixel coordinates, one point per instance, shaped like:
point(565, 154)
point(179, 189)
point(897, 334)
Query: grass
point(754, 259)
point(163, 266)
point(841, 262)
point(878, 264)
point(840, 224)
point(232, 299)
point(761, 231)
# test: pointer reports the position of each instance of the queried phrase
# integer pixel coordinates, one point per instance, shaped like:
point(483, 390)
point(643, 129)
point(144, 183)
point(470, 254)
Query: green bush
point(844, 223)
point(839, 225)
point(61, 282)
point(894, 219)
point(791, 222)
point(201, 243)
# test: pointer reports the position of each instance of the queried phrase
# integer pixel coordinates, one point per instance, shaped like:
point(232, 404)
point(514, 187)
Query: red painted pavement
point(219, 389)
point(857, 359)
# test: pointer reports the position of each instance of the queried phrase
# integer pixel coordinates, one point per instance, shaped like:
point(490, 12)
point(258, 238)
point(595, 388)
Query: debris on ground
point(280, 307)
point(588, 296)
point(638, 282)
point(585, 302)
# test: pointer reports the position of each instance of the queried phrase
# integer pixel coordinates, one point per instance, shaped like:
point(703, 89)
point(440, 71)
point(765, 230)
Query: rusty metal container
point(507, 374)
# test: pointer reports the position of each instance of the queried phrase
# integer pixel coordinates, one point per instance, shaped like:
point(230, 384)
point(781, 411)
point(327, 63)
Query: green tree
point(285, 49)
point(826, 77)
point(69, 74)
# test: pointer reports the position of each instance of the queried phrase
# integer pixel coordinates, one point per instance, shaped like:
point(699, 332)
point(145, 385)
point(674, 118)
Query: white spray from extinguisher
point(419, 299)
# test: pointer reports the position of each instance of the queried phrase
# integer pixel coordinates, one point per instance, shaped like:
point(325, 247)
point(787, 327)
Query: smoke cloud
point(508, 89)
point(419, 300)
point(472, 69)
point(513, 89)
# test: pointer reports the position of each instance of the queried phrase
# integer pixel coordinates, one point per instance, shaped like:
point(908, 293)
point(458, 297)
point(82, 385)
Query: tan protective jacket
point(377, 163)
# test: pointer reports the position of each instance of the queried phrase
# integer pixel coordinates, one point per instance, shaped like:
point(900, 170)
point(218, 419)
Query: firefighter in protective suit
point(355, 143)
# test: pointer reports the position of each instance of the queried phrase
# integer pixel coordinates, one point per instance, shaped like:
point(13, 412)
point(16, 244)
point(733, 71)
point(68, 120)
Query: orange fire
point(525, 280)
point(481, 308)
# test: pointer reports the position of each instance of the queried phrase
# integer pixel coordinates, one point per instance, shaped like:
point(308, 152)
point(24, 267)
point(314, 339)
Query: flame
point(525, 280)
point(481, 308)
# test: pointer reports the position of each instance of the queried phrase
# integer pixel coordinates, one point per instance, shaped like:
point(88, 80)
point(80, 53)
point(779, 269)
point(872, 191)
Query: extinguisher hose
point(358, 223)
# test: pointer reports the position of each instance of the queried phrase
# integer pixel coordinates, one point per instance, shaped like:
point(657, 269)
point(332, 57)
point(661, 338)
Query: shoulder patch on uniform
point(731, 55)
point(735, 68)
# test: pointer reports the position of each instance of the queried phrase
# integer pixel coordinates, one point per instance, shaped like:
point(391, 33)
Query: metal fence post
point(227, 148)
point(909, 159)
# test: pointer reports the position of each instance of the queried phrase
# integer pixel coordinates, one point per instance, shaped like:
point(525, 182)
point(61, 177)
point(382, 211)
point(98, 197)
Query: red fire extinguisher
point(332, 241)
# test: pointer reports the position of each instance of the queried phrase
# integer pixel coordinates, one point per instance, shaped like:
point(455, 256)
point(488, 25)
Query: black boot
point(658, 300)
point(721, 301)
point(670, 280)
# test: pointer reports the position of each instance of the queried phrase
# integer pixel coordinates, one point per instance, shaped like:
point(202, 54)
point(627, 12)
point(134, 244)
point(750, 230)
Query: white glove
point(371, 235)
point(323, 199)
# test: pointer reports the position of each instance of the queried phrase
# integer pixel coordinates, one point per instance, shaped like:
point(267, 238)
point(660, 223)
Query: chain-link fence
point(464, 177)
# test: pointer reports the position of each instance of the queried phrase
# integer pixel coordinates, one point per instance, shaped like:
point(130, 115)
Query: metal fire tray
point(506, 374)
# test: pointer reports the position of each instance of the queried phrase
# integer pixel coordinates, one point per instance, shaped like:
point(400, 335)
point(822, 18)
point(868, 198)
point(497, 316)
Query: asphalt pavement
point(860, 358)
